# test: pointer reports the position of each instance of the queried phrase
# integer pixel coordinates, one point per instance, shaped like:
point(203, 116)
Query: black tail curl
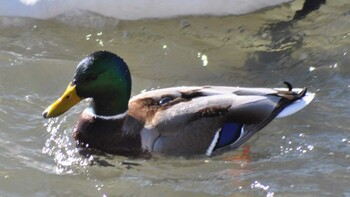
point(289, 85)
point(293, 96)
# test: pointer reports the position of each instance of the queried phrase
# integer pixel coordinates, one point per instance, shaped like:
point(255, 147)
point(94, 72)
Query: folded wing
point(199, 119)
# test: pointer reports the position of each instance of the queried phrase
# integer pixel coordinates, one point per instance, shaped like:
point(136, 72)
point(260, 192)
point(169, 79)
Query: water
point(137, 9)
point(306, 154)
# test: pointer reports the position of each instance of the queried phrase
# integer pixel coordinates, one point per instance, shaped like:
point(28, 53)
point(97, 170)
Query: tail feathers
point(301, 100)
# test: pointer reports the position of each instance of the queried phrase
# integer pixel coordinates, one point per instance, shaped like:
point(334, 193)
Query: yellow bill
point(65, 102)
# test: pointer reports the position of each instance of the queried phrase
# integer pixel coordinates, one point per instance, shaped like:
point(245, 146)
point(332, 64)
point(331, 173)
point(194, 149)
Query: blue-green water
point(307, 154)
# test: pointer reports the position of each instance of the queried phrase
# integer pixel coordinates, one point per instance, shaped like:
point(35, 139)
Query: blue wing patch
point(229, 133)
point(225, 136)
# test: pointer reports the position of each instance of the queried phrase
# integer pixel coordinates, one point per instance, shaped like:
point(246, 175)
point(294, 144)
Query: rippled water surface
point(307, 154)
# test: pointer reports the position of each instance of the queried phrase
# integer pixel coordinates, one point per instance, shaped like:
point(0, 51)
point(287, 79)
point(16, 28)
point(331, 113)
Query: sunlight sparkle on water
point(204, 59)
point(98, 39)
point(258, 185)
point(295, 147)
point(59, 146)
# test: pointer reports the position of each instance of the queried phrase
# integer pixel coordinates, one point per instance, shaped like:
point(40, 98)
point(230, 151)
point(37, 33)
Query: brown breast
point(108, 135)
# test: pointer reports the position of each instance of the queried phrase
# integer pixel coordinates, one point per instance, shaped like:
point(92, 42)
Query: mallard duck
point(185, 120)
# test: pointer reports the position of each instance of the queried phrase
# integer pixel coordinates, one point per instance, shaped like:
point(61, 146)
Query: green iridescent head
point(102, 76)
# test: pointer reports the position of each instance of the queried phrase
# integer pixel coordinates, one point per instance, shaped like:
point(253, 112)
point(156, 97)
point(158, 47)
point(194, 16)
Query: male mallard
point(174, 121)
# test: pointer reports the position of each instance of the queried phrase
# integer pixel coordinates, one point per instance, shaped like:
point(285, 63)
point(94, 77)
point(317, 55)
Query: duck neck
point(110, 105)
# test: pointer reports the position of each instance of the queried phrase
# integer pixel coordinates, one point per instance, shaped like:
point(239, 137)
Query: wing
point(192, 120)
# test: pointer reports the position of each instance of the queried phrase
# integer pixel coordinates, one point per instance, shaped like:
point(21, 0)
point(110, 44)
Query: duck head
point(102, 76)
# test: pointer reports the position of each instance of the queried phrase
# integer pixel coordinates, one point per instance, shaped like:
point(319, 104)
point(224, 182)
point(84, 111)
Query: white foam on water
point(132, 10)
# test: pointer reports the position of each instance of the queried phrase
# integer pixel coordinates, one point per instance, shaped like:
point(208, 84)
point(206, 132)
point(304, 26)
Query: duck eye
point(165, 100)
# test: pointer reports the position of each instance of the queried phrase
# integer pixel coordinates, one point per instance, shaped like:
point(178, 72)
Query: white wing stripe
point(213, 143)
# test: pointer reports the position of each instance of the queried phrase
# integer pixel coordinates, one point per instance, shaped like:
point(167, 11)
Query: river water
point(306, 154)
